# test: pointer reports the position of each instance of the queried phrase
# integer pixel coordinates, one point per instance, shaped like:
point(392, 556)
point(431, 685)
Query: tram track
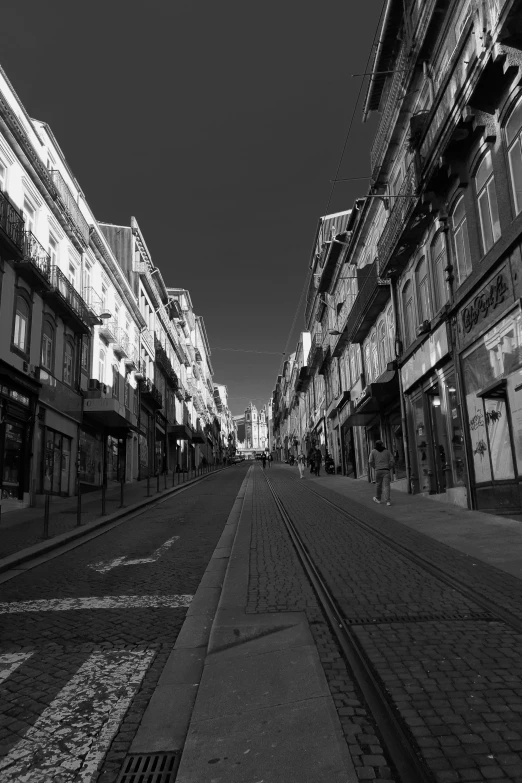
point(402, 752)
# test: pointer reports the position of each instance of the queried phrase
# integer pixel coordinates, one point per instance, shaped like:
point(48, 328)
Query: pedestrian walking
point(381, 460)
point(318, 459)
point(311, 461)
point(301, 463)
point(269, 460)
point(263, 460)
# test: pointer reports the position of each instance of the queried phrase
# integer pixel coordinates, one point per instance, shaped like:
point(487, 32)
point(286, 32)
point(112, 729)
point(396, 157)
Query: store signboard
point(425, 357)
point(487, 305)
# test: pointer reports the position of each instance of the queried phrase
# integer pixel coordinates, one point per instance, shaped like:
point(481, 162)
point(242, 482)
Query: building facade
point(97, 367)
point(414, 296)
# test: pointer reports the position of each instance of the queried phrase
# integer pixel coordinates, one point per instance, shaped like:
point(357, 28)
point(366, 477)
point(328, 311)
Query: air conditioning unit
point(94, 384)
point(423, 328)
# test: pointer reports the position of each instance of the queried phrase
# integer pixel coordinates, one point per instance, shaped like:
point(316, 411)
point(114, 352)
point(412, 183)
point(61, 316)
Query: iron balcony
point(70, 208)
point(67, 302)
point(150, 393)
point(34, 266)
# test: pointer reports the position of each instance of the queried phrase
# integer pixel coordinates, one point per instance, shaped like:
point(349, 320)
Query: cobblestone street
point(87, 639)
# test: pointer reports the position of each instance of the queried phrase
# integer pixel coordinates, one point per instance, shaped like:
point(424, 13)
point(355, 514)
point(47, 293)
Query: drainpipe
point(404, 423)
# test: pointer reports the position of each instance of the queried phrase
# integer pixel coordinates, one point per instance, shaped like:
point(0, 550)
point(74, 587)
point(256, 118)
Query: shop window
point(492, 380)
point(57, 463)
point(407, 310)
point(13, 462)
point(68, 363)
point(439, 263)
point(514, 142)
point(47, 346)
point(423, 290)
point(459, 226)
point(21, 324)
point(487, 203)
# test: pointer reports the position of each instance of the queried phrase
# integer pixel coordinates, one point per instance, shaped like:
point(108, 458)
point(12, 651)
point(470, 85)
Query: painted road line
point(71, 737)
point(106, 565)
point(97, 602)
point(11, 661)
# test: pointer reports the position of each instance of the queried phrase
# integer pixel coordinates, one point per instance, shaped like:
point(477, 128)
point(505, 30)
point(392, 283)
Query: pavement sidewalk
point(22, 531)
point(244, 695)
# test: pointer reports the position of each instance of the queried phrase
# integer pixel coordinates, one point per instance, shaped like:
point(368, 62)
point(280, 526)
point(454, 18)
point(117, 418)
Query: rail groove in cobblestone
point(492, 609)
point(403, 754)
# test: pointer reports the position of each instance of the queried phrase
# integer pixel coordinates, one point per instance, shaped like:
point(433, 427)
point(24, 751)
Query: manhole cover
point(150, 768)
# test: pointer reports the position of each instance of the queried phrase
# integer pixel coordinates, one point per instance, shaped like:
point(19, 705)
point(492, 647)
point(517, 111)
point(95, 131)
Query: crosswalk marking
point(71, 737)
point(11, 661)
point(97, 602)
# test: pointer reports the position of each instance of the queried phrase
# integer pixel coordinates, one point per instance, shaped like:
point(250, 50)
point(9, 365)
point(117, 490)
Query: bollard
point(122, 484)
point(165, 479)
point(46, 516)
point(104, 490)
point(148, 485)
point(157, 481)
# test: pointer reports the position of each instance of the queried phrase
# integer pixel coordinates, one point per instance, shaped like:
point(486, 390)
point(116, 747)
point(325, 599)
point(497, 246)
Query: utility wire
point(335, 180)
point(247, 350)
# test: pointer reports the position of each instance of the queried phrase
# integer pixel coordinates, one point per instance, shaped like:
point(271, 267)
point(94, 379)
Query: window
point(86, 346)
point(126, 393)
point(29, 215)
point(72, 274)
point(407, 309)
point(53, 250)
point(68, 363)
point(423, 291)
point(86, 281)
point(367, 364)
point(439, 263)
point(3, 175)
point(47, 346)
point(463, 18)
point(487, 201)
point(382, 345)
point(104, 300)
point(396, 181)
point(459, 225)
point(514, 141)
point(21, 325)
point(115, 381)
point(101, 367)
point(390, 321)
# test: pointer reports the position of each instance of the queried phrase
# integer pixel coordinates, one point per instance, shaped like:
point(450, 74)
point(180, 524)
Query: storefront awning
point(377, 396)
point(109, 414)
point(179, 431)
point(198, 437)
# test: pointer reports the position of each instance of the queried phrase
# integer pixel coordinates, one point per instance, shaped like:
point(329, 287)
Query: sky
point(219, 126)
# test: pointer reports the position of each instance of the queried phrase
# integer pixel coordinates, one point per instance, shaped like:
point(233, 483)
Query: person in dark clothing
point(311, 461)
point(264, 461)
point(269, 460)
point(382, 461)
point(317, 460)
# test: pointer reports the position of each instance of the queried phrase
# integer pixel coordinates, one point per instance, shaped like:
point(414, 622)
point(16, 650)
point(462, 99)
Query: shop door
point(439, 441)
point(13, 461)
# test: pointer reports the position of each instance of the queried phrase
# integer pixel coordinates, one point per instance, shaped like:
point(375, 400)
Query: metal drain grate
point(419, 618)
point(150, 768)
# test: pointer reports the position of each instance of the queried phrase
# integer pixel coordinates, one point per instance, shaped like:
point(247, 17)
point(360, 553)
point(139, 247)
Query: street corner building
point(413, 324)
point(105, 371)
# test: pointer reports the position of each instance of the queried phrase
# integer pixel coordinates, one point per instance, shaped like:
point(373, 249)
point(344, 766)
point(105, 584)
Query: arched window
point(47, 346)
point(459, 225)
point(101, 367)
point(439, 263)
point(423, 291)
point(514, 142)
point(21, 324)
point(68, 363)
point(407, 312)
point(487, 201)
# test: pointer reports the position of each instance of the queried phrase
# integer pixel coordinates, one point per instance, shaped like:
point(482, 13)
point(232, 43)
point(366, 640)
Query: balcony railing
point(402, 207)
point(150, 393)
point(121, 345)
point(11, 222)
point(94, 301)
point(35, 264)
point(391, 109)
point(370, 300)
point(164, 362)
point(67, 300)
point(108, 331)
point(132, 360)
point(148, 339)
point(141, 370)
point(316, 349)
point(70, 206)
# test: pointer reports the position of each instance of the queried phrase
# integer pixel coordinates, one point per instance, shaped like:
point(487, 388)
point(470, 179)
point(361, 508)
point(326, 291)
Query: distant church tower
point(256, 429)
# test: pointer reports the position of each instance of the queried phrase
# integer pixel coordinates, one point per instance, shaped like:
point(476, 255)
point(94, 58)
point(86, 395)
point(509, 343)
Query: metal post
point(157, 480)
point(122, 485)
point(79, 500)
point(148, 485)
point(165, 478)
point(46, 516)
